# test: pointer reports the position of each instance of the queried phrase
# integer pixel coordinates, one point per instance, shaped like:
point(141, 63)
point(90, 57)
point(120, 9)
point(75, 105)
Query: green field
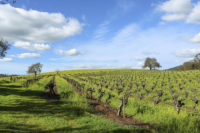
point(153, 97)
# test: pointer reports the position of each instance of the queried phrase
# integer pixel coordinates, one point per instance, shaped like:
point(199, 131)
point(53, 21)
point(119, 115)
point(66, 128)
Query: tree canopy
point(191, 65)
point(4, 46)
point(151, 63)
point(35, 69)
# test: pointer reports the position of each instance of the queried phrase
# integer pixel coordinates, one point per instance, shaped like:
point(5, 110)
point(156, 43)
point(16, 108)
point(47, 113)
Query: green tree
point(191, 65)
point(197, 61)
point(151, 63)
point(4, 46)
point(35, 69)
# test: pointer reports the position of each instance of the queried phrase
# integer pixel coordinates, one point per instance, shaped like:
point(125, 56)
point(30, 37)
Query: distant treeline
point(190, 65)
point(5, 75)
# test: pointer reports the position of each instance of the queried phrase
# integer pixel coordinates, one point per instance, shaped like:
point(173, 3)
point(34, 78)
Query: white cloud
point(28, 55)
point(102, 30)
point(173, 17)
point(176, 6)
point(196, 38)
point(181, 10)
point(18, 24)
point(6, 59)
point(32, 47)
point(71, 52)
point(133, 41)
point(194, 16)
point(175, 9)
point(125, 34)
point(187, 53)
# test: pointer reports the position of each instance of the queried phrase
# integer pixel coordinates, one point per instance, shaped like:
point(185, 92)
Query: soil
point(111, 113)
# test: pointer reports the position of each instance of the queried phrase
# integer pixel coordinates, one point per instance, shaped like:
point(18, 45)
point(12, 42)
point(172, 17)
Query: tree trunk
point(35, 74)
point(120, 109)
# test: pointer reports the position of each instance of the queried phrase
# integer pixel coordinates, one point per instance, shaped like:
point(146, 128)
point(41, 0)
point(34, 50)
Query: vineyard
point(116, 100)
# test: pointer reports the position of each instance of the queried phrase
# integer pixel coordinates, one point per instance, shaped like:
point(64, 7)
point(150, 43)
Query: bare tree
point(35, 69)
point(4, 46)
point(151, 63)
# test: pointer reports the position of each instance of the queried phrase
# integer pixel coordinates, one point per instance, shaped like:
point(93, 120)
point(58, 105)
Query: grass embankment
point(23, 110)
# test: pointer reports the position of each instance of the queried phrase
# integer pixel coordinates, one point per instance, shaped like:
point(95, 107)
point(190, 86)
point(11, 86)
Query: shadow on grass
point(44, 107)
point(4, 81)
point(48, 108)
point(6, 90)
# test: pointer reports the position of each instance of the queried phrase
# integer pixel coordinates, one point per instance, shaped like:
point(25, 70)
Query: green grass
point(23, 110)
point(164, 116)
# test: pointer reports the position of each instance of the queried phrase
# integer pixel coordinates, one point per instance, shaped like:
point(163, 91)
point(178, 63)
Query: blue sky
point(82, 34)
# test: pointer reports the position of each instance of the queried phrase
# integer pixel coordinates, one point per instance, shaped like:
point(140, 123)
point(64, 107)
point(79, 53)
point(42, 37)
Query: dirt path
point(110, 112)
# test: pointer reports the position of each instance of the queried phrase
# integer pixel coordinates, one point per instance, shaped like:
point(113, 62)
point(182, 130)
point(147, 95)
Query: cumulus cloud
point(173, 17)
point(181, 10)
point(187, 53)
point(176, 6)
point(28, 55)
point(18, 24)
point(71, 52)
point(32, 47)
point(175, 9)
point(6, 59)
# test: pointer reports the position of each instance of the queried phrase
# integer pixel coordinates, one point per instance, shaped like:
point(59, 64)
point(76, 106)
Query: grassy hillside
point(152, 98)
point(24, 110)
point(154, 95)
